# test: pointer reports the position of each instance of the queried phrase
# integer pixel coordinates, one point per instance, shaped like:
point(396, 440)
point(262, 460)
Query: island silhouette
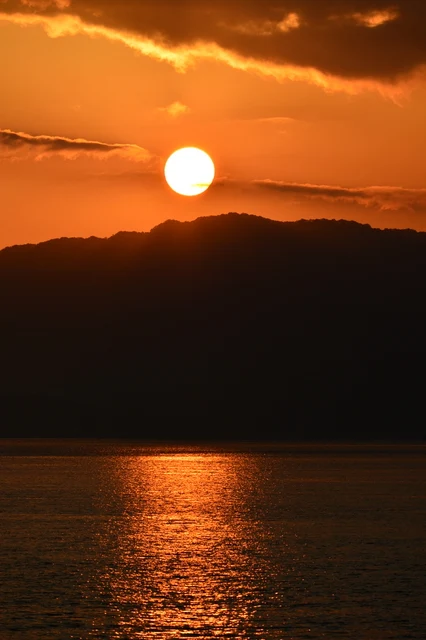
point(231, 326)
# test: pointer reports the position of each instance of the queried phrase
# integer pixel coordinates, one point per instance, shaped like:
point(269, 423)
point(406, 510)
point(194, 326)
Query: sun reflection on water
point(183, 564)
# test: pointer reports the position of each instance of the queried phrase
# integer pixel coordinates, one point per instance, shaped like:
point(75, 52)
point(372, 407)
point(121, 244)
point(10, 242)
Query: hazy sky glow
point(309, 109)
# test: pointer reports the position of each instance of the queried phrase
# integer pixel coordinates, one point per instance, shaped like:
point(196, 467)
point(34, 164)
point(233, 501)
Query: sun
point(189, 171)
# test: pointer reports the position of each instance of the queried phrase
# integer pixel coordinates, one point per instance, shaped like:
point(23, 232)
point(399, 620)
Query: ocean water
point(109, 540)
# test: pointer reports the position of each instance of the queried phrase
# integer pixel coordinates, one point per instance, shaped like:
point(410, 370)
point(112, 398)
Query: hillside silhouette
point(231, 326)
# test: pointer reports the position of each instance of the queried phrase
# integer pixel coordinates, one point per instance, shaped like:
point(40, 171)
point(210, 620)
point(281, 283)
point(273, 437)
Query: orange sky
point(309, 108)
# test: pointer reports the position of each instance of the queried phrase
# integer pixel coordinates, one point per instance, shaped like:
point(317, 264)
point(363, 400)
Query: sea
point(162, 541)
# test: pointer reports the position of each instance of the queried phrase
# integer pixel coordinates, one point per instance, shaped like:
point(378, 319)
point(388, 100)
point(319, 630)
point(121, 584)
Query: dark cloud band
point(50, 145)
point(385, 198)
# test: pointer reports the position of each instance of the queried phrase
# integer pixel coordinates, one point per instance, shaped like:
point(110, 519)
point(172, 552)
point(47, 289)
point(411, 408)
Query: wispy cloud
point(374, 19)
point(268, 27)
point(15, 145)
point(42, 5)
point(385, 198)
point(175, 109)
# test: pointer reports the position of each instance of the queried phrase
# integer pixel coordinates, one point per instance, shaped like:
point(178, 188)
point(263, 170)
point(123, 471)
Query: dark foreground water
point(129, 541)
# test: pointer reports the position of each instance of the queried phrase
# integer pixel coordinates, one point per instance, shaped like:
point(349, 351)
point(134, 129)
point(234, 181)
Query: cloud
point(175, 109)
point(349, 45)
point(16, 145)
point(374, 19)
point(42, 5)
point(384, 198)
point(267, 27)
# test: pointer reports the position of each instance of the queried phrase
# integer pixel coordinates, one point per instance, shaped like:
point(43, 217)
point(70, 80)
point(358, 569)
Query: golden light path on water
point(186, 568)
point(130, 541)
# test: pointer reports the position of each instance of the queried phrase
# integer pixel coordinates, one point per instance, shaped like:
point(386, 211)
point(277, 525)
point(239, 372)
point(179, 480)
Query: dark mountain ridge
point(229, 326)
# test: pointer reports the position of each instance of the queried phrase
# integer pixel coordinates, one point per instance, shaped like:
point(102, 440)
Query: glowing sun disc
point(189, 171)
